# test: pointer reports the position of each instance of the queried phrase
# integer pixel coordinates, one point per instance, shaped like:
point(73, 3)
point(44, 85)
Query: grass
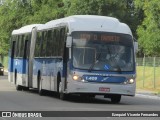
point(148, 78)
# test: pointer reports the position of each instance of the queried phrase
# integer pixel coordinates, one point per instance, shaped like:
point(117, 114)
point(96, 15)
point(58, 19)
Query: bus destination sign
point(102, 37)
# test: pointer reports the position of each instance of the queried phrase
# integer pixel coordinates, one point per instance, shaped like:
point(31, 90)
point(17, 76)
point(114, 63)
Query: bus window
point(13, 49)
point(49, 44)
point(21, 47)
point(44, 43)
point(17, 47)
point(38, 44)
point(26, 49)
point(61, 41)
point(13, 43)
point(82, 56)
point(56, 42)
point(53, 42)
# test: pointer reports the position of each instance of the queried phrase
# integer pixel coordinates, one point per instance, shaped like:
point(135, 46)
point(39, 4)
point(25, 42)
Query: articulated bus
point(82, 54)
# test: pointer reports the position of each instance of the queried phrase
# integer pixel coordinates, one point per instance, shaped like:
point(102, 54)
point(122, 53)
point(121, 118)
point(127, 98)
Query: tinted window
point(49, 44)
point(38, 44)
point(44, 44)
point(21, 46)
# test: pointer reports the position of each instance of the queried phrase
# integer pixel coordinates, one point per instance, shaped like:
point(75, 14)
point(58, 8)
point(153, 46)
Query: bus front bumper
point(100, 88)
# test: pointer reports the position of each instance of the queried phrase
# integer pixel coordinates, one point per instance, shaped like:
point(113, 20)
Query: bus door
point(11, 72)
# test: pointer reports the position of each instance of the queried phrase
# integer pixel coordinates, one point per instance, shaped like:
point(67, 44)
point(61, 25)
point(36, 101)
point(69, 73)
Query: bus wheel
point(18, 87)
point(115, 98)
point(40, 90)
point(62, 95)
point(25, 88)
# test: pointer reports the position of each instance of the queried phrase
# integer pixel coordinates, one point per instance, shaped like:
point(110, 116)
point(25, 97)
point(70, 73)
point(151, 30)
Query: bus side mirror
point(136, 47)
point(69, 42)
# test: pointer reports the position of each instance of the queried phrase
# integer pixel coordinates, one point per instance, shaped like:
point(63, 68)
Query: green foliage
point(122, 9)
point(44, 11)
point(148, 31)
point(17, 13)
point(98, 7)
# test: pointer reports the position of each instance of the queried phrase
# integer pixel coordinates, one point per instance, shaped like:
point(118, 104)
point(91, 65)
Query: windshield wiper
point(93, 64)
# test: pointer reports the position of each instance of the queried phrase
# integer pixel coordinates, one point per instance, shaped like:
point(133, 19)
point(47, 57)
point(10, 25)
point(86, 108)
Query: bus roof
point(89, 23)
point(25, 29)
point(81, 23)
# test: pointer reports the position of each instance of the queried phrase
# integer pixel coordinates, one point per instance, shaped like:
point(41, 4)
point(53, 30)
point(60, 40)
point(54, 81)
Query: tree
point(17, 13)
point(12, 17)
point(45, 10)
point(148, 31)
point(124, 10)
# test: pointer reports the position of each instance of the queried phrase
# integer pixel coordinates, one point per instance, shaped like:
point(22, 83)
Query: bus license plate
point(104, 89)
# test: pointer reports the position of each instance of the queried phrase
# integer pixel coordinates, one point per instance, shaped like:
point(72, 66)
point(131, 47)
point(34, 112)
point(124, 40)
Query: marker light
point(75, 77)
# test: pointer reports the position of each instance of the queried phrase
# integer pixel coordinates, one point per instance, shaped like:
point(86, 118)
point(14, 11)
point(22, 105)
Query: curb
point(147, 96)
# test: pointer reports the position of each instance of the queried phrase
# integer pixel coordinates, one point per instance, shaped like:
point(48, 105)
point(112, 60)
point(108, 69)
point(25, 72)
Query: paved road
point(12, 100)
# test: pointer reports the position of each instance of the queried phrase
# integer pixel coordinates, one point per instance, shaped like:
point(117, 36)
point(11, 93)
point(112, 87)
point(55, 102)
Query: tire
point(25, 88)
point(19, 88)
point(115, 98)
point(62, 95)
point(87, 96)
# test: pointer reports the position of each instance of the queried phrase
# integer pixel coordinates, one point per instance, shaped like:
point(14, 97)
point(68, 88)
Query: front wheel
point(18, 87)
point(62, 95)
point(115, 98)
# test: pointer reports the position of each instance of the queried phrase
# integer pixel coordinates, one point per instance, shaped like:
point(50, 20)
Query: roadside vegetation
point(148, 78)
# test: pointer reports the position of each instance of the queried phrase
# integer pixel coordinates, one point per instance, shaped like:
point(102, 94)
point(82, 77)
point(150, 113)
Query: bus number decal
point(91, 78)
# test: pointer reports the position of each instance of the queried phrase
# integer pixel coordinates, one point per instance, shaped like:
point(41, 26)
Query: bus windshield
point(103, 51)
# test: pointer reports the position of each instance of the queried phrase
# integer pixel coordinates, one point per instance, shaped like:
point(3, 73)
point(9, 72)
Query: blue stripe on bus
point(48, 66)
point(104, 79)
point(18, 64)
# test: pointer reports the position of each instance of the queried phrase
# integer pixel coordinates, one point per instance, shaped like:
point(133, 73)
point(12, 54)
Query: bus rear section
point(18, 67)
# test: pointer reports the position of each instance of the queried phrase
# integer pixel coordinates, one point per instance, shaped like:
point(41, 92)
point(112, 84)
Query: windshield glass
point(102, 51)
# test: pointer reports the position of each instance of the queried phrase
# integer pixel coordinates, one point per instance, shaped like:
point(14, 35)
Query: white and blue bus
point(82, 54)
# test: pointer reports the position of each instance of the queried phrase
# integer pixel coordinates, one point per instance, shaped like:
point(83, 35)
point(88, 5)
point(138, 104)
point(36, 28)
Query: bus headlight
point(1, 69)
point(75, 77)
point(131, 81)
